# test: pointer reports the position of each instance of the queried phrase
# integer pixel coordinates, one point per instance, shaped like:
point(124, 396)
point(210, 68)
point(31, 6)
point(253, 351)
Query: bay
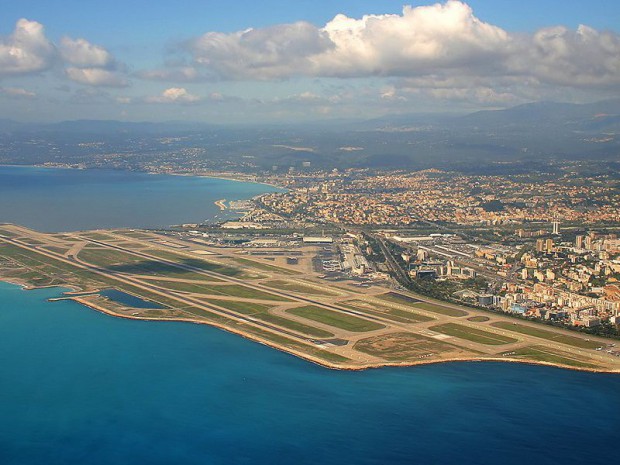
point(55, 199)
point(81, 387)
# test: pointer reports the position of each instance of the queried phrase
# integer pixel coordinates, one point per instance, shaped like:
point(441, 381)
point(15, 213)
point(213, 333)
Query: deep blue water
point(128, 299)
point(51, 200)
point(80, 387)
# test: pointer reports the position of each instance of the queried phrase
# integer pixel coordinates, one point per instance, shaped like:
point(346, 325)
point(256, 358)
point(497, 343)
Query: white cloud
point(97, 77)
point(90, 64)
point(443, 39)
point(266, 53)
point(26, 50)
point(17, 92)
point(422, 38)
point(174, 95)
point(557, 55)
point(81, 53)
point(182, 74)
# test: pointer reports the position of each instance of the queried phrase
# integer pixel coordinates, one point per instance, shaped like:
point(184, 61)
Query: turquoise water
point(52, 200)
point(80, 387)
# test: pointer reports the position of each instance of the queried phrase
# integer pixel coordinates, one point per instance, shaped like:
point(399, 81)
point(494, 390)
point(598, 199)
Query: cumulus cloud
point(97, 77)
point(181, 74)
point(558, 55)
point(17, 93)
point(440, 39)
point(271, 52)
point(81, 53)
point(174, 95)
point(422, 38)
point(90, 64)
point(26, 50)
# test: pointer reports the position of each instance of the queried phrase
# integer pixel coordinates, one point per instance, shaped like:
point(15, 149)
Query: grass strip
point(472, 334)
point(335, 319)
point(549, 335)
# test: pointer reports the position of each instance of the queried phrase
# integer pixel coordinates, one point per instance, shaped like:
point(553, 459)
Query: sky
point(273, 61)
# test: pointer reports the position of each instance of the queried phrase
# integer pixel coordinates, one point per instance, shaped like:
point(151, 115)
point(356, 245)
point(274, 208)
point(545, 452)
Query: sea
point(82, 387)
point(57, 199)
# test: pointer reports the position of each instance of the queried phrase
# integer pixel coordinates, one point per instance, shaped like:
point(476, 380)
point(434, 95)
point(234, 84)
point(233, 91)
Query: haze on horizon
point(276, 61)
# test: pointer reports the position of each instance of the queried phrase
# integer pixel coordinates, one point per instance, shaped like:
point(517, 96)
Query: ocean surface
point(80, 387)
point(53, 200)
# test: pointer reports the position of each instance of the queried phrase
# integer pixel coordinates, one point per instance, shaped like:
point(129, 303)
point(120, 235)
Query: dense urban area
point(546, 249)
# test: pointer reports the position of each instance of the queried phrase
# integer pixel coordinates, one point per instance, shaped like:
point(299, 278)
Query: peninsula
point(277, 296)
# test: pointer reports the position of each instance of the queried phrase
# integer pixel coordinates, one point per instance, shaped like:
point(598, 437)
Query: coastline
point(192, 212)
point(304, 356)
point(234, 177)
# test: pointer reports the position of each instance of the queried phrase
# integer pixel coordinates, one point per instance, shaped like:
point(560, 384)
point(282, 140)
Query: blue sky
point(190, 59)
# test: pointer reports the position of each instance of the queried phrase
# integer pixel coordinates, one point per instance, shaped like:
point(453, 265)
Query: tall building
point(556, 227)
point(579, 242)
point(549, 245)
point(540, 245)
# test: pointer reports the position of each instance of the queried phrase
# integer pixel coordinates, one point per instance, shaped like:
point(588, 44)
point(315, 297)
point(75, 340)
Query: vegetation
point(394, 314)
point(471, 334)
point(298, 287)
point(549, 335)
point(261, 312)
point(246, 308)
point(544, 354)
point(402, 346)
point(263, 266)
point(201, 264)
point(335, 319)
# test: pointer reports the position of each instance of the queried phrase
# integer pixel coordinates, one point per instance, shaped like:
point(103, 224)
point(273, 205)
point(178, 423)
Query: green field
point(261, 312)
point(412, 302)
point(295, 326)
point(232, 290)
point(544, 354)
point(549, 335)
point(31, 241)
point(440, 309)
point(263, 266)
point(198, 287)
point(300, 346)
point(200, 263)
point(298, 287)
point(394, 314)
point(97, 236)
point(245, 308)
point(7, 233)
point(133, 264)
point(43, 270)
point(478, 319)
point(335, 319)
point(137, 235)
point(472, 334)
point(403, 346)
point(105, 257)
point(56, 249)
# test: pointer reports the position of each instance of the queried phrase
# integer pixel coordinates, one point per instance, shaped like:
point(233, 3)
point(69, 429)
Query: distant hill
point(591, 116)
point(513, 139)
point(109, 127)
